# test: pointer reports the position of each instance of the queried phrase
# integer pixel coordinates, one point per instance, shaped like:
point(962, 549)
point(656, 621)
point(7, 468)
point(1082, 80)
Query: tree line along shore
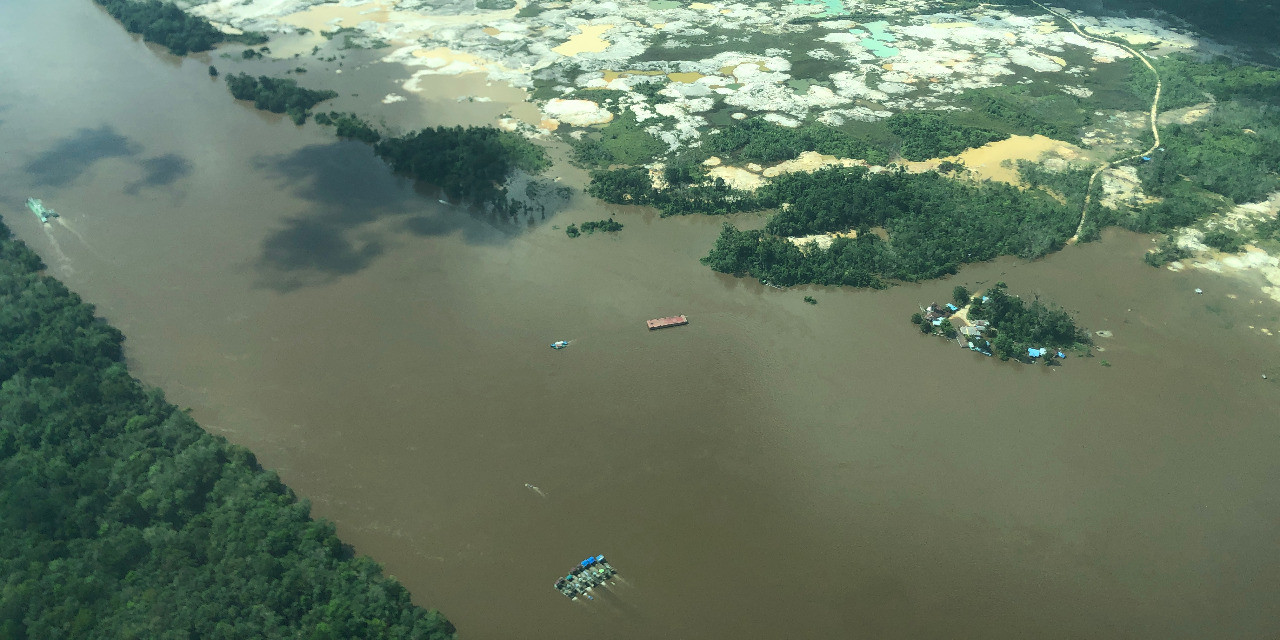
point(121, 518)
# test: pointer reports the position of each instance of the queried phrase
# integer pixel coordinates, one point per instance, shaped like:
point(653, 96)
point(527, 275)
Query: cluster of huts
point(970, 333)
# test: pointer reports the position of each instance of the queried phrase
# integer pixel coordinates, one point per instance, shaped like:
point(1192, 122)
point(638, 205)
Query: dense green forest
point(930, 135)
point(1017, 326)
point(933, 224)
point(1188, 80)
point(1233, 152)
point(164, 23)
point(277, 95)
point(469, 163)
point(685, 191)
point(120, 518)
point(758, 140)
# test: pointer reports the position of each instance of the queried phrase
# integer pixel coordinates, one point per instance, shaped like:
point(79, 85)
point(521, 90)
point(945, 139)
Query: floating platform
point(589, 573)
point(663, 323)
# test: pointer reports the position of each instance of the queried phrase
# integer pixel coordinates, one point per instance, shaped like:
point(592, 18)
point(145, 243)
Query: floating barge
point(663, 323)
point(37, 207)
point(589, 573)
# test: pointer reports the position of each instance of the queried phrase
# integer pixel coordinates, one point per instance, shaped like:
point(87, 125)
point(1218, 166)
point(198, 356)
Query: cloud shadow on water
point(74, 156)
point(349, 190)
point(160, 171)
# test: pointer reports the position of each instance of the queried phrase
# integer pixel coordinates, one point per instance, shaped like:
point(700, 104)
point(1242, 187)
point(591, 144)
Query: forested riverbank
point(166, 24)
point(121, 518)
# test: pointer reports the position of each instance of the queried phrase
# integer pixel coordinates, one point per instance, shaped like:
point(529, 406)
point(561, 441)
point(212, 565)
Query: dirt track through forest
point(1155, 130)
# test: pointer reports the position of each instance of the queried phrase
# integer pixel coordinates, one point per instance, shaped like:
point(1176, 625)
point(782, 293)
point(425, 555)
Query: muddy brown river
point(771, 470)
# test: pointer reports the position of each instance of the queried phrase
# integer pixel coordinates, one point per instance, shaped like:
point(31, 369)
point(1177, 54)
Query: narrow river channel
point(772, 470)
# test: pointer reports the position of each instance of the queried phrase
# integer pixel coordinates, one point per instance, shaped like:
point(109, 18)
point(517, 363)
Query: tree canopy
point(166, 24)
point(120, 518)
point(277, 95)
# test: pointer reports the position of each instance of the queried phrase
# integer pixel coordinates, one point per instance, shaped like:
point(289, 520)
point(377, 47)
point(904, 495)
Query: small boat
point(37, 207)
point(559, 344)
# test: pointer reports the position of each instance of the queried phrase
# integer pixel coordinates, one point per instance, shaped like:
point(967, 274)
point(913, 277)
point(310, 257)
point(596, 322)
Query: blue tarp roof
point(1034, 353)
point(588, 561)
point(599, 558)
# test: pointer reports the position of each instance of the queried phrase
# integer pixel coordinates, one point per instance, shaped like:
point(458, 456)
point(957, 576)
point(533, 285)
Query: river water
point(774, 469)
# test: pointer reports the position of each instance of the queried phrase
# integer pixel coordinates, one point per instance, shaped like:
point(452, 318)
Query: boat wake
point(63, 261)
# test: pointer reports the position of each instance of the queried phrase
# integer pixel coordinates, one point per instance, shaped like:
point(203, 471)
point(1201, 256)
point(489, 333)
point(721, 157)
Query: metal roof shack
point(663, 323)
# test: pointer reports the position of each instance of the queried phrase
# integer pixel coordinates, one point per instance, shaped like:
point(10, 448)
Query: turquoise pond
point(876, 44)
point(833, 7)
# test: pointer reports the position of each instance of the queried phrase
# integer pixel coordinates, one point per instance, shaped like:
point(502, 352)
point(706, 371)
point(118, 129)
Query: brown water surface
point(772, 470)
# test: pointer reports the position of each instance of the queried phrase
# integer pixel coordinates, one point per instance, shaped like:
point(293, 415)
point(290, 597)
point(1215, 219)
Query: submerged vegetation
point(277, 95)
point(470, 163)
point(121, 518)
point(591, 227)
point(165, 24)
point(349, 125)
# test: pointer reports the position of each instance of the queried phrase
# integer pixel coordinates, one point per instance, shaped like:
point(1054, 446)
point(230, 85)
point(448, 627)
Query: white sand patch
point(1121, 186)
point(822, 240)
point(579, 113)
point(737, 177)
point(1186, 115)
point(1253, 261)
point(810, 161)
point(778, 118)
point(441, 60)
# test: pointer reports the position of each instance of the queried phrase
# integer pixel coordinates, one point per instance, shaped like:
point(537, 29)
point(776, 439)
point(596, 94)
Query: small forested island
point(471, 163)
point(996, 323)
point(591, 227)
point(277, 95)
point(465, 162)
point(121, 518)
